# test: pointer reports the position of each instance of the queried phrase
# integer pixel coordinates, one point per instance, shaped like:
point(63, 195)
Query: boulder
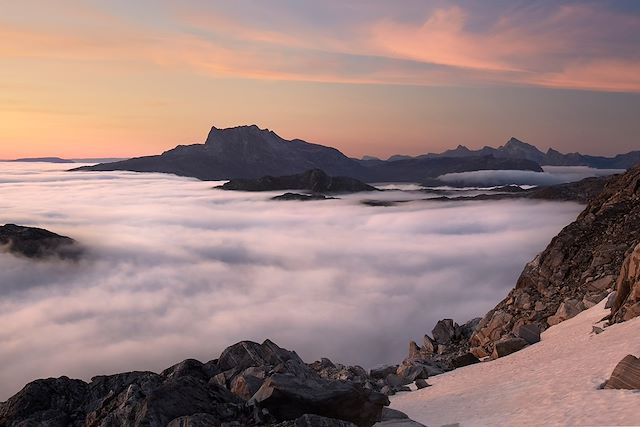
point(287, 397)
point(566, 310)
point(465, 359)
point(611, 300)
point(246, 384)
point(627, 303)
point(394, 380)
point(413, 371)
point(195, 420)
point(429, 346)
point(446, 331)
point(529, 332)
point(626, 374)
point(51, 402)
point(420, 384)
point(381, 372)
point(311, 420)
point(507, 346)
point(246, 354)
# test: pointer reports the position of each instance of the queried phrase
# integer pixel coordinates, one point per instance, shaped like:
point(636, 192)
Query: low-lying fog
point(179, 270)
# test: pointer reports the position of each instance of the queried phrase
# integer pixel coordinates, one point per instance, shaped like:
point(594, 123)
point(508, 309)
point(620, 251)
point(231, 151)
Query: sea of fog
point(176, 269)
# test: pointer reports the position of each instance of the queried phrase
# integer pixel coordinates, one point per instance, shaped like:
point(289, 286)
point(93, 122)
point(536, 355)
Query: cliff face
point(576, 270)
point(627, 302)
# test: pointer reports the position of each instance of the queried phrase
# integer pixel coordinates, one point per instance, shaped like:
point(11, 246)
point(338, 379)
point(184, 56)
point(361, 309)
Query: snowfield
point(551, 383)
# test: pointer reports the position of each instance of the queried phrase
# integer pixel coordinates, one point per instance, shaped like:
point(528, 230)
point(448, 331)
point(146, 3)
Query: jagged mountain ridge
point(248, 152)
point(514, 148)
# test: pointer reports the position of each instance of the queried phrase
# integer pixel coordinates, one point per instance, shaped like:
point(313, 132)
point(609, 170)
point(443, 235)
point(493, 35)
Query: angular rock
point(287, 397)
point(420, 384)
point(246, 384)
point(394, 380)
point(626, 374)
point(195, 420)
point(429, 346)
point(529, 332)
point(627, 302)
point(413, 371)
point(446, 331)
point(567, 310)
point(310, 420)
point(246, 354)
point(507, 346)
point(465, 359)
point(611, 300)
point(381, 372)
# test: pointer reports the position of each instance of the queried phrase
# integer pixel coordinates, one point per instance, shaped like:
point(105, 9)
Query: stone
point(420, 384)
point(381, 372)
point(429, 346)
point(627, 302)
point(394, 380)
point(446, 331)
point(479, 352)
point(287, 397)
point(611, 299)
point(529, 332)
point(508, 346)
point(603, 283)
point(626, 374)
point(311, 420)
point(597, 330)
point(465, 359)
point(414, 349)
point(246, 384)
point(246, 354)
point(566, 310)
point(412, 372)
point(195, 420)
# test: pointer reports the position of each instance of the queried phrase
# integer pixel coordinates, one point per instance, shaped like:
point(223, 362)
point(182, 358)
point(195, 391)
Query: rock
point(529, 332)
point(287, 397)
point(567, 310)
point(413, 371)
point(470, 327)
point(479, 352)
point(429, 346)
point(414, 350)
point(52, 402)
point(603, 283)
point(597, 330)
point(195, 420)
point(187, 368)
point(246, 384)
point(465, 359)
point(246, 354)
point(446, 331)
point(507, 346)
point(37, 243)
point(394, 380)
point(311, 420)
point(301, 197)
point(381, 372)
point(395, 418)
point(627, 300)
point(314, 180)
point(626, 374)
point(387, 390)
point(421, 383)
point(611, 299)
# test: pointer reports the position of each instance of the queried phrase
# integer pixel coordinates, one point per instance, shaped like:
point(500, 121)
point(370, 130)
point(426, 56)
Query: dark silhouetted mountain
point(43, 160)
point(249, 152)
point(315, 181)
point(33, 242)
point(516, 149)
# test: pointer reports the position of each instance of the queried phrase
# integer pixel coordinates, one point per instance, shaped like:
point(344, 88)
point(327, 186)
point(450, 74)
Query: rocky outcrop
point(627, 296)
point(315, 181)
point(626, 374)
point(250, 384)
point(578, 268)
point(37, 243)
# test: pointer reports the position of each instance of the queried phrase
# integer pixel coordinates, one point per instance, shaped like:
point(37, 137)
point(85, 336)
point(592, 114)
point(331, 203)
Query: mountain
point(249, 152)
point(516, 149)
point(36, 243)
point(43, 160)
point(314, 180)
point(578, 268)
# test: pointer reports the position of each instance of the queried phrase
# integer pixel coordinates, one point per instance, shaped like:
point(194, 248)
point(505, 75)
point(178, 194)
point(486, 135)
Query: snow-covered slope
point(554, 382)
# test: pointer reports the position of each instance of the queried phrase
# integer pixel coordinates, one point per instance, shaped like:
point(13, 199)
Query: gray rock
point(611, 299)
point(246, 354)
point(412, 372)
point(422, 384)
point(287, 397)
point(195, 420)
point(311, 420)
point(507, 346)
point(429, 346)
point(465, 359)
point(381, 372)
point(394, 380)
point(446, 331)
point(530, 333)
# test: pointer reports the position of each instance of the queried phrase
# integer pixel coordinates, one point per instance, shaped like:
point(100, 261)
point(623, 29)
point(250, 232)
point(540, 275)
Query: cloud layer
point(177, 269)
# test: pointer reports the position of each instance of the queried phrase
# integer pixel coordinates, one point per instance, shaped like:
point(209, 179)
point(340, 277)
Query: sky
point(119, 78)
point(159, 284)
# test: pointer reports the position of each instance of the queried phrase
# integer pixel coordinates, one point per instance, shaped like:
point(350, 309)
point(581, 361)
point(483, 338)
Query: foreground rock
point(578, 268)
point(250, 384)
point(626, 374)
point(627, 295)
point(37, 243)
point(315, 181)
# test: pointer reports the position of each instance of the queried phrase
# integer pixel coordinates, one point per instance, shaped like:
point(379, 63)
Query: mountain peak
point(238, 133)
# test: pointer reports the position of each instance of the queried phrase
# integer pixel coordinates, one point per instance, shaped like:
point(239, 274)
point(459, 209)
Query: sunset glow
point(116, 79)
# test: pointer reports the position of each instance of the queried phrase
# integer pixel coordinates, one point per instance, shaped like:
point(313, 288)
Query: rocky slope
point(37, 243)
point(249, 152)
point(578, 268)
point(627, 297)
point(315, 181)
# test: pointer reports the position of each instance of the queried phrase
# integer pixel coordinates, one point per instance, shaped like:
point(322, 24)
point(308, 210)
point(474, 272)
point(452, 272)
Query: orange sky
point(97, 79)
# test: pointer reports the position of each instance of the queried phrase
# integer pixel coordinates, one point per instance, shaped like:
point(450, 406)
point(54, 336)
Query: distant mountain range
point(248, 152)
point(516, 149)
point(42, 160)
